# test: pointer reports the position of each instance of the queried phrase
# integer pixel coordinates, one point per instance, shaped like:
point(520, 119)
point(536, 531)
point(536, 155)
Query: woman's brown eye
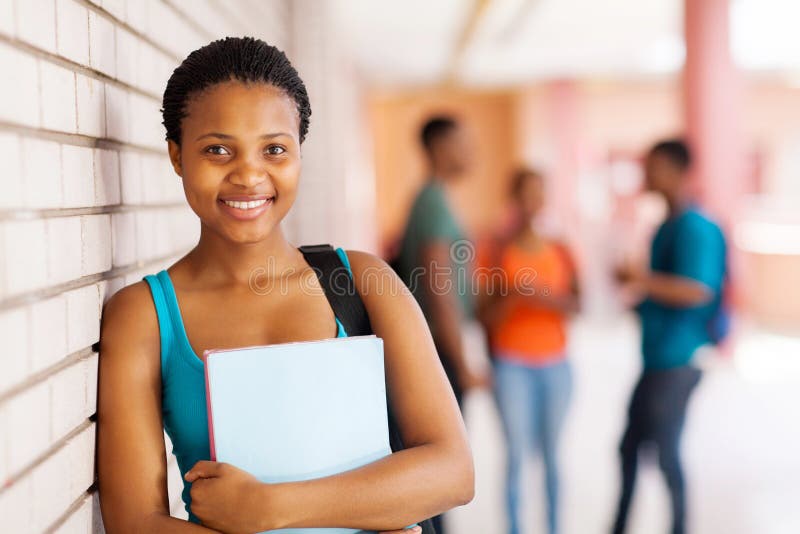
point(275, 150)
point(217, 150)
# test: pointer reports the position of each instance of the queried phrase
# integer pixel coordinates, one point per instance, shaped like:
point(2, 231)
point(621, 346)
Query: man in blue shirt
point(681, 297)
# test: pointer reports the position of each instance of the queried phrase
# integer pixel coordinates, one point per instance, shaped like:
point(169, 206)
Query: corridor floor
point(741, 446)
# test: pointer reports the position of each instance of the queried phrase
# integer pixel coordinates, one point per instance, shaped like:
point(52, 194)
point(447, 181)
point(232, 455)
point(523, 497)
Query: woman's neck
point(528, 238)
point(218, 261)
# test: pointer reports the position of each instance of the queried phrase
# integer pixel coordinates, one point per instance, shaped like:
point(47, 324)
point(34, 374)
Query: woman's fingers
point(202, 469)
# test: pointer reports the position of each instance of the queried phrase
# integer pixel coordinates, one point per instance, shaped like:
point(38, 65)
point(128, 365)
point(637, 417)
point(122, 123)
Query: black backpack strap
point(339, 287)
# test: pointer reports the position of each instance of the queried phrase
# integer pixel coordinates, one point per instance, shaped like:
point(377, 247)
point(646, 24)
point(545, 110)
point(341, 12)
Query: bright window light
point(768, 238)
point(764, 34)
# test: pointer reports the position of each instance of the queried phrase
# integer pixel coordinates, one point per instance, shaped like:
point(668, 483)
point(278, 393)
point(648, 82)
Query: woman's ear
point(174, 150)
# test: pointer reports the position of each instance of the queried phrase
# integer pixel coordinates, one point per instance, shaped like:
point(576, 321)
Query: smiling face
point(239, 158)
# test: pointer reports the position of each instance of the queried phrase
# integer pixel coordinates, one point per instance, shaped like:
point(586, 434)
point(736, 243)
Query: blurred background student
point(526, 310)
point(681, 295)
point(435, 254)
point(432, 252)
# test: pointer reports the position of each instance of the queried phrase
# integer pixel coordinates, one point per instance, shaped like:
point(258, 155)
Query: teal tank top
point(183, 391)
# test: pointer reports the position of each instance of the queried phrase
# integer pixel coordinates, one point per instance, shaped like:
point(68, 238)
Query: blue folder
point(299, 411)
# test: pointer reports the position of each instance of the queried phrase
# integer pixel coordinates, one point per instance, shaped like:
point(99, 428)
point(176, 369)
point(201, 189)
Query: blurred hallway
point(577, 89)
point(740, 445)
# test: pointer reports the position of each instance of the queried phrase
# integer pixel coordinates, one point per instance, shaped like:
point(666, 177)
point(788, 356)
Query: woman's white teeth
point(245, 205)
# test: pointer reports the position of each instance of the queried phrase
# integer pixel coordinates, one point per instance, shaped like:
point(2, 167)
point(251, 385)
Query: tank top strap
point(165, 304)
point(340, 330)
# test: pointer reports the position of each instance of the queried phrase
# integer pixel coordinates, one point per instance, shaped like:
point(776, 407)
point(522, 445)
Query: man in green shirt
point(435, 255)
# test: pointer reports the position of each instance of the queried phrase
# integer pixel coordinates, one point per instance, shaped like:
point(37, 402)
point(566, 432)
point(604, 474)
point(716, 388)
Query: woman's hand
point(471, 379)
point(227, 499)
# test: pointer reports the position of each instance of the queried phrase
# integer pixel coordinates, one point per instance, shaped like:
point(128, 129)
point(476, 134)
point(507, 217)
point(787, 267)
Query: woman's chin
point(246, 236)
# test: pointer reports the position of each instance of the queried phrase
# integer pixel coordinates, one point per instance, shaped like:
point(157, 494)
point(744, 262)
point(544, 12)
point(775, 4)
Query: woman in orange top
point(525, 310)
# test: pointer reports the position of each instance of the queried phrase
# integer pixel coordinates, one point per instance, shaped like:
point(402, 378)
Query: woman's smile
point(245, 208)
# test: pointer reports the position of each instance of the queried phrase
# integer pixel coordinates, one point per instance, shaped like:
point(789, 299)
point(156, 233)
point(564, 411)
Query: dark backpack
point(341, 293)
point(720, 325)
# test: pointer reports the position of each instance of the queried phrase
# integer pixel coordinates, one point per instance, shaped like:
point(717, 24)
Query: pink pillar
point(564, 127)
point(713, 103)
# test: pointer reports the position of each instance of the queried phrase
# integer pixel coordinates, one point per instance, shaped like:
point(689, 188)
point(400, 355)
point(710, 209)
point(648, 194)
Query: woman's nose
point(248, 175)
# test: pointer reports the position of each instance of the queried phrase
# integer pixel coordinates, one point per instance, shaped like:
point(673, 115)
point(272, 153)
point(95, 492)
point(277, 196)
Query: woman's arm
point(131, 457)
point(433, 474)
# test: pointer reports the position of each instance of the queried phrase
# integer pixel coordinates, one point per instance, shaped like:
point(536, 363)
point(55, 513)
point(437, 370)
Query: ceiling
point(416, 42)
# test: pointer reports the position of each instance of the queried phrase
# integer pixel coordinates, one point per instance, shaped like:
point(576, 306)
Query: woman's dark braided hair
point(245, 59)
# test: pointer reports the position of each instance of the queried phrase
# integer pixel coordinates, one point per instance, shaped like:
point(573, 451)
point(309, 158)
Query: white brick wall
point(91, 106)
point(20, 100)
point(25, 255)
point(57, 88)
point(12, 171)
point(41, 173)
point(102, 44)
point(73, 43)
point(106, 177)
point(90, 204)
point(77, 162)
point(36, 24)
point(64, 249)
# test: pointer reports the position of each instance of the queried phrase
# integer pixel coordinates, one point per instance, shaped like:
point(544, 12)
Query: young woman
point(236, 113)
point(526, 320)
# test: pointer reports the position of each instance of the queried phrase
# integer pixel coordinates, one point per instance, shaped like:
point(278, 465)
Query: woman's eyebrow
point(226, 136)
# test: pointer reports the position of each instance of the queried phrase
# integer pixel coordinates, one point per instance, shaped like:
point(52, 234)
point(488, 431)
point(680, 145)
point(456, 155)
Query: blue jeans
point(533, 401)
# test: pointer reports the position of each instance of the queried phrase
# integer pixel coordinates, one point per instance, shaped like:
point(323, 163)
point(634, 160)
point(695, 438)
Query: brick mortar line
point(71, 509)
point(49, 453)
point(224, 12)
point(189, 20)
point(76, 139)
point(28, 214)
point(53, 291)
point(121, 23)
point(39, 53)
point(40, 376)
point(176, 504)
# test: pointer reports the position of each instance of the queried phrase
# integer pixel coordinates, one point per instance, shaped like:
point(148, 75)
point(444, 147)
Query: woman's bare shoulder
point(360, 260)
point(129, 319)
point(373, 276)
